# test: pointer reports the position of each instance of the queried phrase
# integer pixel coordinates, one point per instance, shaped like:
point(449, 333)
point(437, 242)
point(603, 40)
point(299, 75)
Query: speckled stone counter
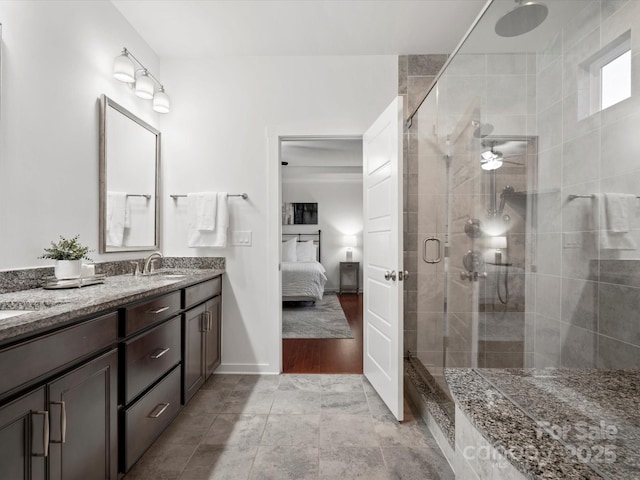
point(539, 449)
point(438, 405)
point(54, 308)
point(28, 278)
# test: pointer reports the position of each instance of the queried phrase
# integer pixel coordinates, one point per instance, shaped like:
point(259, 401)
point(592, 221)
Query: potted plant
point(68, 254)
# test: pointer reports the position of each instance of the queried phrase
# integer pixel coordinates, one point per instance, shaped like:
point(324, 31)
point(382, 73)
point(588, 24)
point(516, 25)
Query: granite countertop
point(524, 442)
point(53, 308)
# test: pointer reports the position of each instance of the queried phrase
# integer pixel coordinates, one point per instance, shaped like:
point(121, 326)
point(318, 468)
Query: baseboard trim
point(246, 369)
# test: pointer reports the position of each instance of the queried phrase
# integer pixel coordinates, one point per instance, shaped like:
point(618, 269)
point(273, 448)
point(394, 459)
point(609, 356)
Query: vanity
point(90, 377)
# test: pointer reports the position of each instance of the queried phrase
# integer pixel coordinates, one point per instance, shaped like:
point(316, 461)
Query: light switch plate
point(241, 238)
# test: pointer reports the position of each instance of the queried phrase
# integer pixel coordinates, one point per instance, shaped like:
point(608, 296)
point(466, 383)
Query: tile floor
point(291, 427)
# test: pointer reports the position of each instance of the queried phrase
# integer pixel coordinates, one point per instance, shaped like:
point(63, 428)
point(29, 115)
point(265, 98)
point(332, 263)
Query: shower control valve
point(472, 276)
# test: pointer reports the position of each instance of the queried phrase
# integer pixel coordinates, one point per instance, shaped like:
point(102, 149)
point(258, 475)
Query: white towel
point(209, 238)
point(612, 210)
point(618, 207)
point(203, 207)
point(118, 218)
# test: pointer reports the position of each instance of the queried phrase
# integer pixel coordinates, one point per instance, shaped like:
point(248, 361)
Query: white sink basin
point(12, 313)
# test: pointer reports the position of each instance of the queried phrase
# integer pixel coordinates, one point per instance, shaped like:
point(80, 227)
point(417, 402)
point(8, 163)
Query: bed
point(303, 276)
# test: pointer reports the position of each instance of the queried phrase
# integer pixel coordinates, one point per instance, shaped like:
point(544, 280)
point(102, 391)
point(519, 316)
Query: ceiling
point(322, 152)
point(209, 28)
point(321, 159)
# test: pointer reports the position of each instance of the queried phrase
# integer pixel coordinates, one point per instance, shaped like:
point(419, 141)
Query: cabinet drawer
point(146, 419)
point(150, 355)
point(202, 291)
point(150, 312)
point(28, 361)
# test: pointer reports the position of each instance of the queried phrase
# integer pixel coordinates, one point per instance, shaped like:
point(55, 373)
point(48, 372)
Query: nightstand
point(349, 277)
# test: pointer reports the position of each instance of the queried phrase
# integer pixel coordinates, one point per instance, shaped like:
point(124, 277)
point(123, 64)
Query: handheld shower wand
point(508, 190)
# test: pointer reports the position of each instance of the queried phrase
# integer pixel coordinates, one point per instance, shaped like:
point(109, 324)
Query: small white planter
point(68, 269)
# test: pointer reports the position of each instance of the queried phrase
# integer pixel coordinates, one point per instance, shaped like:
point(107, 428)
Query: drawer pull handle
point(63, 422)
point(160, 353)
point(159, 410)
point(45, 436)
point(160, 310)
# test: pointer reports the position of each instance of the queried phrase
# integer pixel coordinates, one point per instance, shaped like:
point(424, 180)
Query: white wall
point(57, 58)
point(215, 139)
point(339, 200)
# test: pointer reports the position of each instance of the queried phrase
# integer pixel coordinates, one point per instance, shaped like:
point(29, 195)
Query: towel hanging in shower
point(611, 212)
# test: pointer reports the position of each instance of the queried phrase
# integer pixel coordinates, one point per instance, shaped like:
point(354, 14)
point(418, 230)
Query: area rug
point(325, 319)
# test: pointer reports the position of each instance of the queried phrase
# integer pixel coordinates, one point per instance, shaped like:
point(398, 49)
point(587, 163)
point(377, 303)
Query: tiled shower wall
point(587, 298)
point(416, 74)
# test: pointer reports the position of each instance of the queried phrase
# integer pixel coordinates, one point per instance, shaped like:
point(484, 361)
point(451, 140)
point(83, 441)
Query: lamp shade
point(161, 102)
point(144, 86)
point(123, 68)
point(350, 241)
point(498, 242)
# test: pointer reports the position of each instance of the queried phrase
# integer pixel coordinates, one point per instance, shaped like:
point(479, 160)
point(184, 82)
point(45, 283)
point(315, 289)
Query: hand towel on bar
point(618, 208)
point(614, 221)
point(117, 218)
point(209, 238)
point(203, 206)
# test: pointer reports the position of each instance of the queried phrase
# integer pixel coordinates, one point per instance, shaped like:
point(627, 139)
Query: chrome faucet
point(149, 261)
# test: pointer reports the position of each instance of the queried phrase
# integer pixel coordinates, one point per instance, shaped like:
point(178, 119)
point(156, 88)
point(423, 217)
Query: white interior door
point(383, 262)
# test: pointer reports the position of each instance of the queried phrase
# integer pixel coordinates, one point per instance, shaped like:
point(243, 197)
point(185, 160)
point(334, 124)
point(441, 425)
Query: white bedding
point(303, 280)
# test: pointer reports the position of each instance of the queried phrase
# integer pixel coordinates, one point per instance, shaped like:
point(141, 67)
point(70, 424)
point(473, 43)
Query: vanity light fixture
point(144, 85)
point(129, 69)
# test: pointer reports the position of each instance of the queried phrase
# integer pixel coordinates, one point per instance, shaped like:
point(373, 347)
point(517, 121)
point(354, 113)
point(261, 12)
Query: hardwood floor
point(328, 355)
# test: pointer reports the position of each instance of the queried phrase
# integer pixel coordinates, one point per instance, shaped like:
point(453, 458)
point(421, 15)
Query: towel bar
point(243, 195)
point(145, 195)
point(572, 197)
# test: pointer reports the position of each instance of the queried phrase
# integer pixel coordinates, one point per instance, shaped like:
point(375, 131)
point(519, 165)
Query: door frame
point(275, 135)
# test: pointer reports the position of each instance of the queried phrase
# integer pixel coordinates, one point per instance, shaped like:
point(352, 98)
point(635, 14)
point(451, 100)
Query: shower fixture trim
point(523, 18)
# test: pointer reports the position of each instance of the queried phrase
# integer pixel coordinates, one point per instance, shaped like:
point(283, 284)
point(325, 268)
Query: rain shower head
point(526, 16)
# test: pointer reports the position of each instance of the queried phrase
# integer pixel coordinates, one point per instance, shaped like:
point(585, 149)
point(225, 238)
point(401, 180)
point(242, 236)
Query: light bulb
point(161, 102)
point(144, 86)
point(123, 68)
point(493, 164)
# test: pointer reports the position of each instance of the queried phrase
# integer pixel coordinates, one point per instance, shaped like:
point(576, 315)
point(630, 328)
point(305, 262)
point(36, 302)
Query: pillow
point(307, 252)
point(289, 250)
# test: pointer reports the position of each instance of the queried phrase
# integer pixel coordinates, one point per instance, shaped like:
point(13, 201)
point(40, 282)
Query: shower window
point(608, 73)
point(615, 80)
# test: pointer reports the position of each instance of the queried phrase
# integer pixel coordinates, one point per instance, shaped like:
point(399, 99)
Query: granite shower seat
point(547, 423)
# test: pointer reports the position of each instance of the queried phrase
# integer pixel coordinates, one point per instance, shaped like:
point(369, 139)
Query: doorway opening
point(321, 269)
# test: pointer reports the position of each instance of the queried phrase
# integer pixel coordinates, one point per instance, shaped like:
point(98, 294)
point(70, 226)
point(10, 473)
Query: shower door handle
point(424, 250)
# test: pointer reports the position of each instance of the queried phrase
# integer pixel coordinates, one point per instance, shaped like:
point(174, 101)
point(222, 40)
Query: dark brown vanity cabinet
point(83, 422)
point(87, 400)
point(65, 427)
point(150, 373)
point(24, 437)
point(201, 334)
